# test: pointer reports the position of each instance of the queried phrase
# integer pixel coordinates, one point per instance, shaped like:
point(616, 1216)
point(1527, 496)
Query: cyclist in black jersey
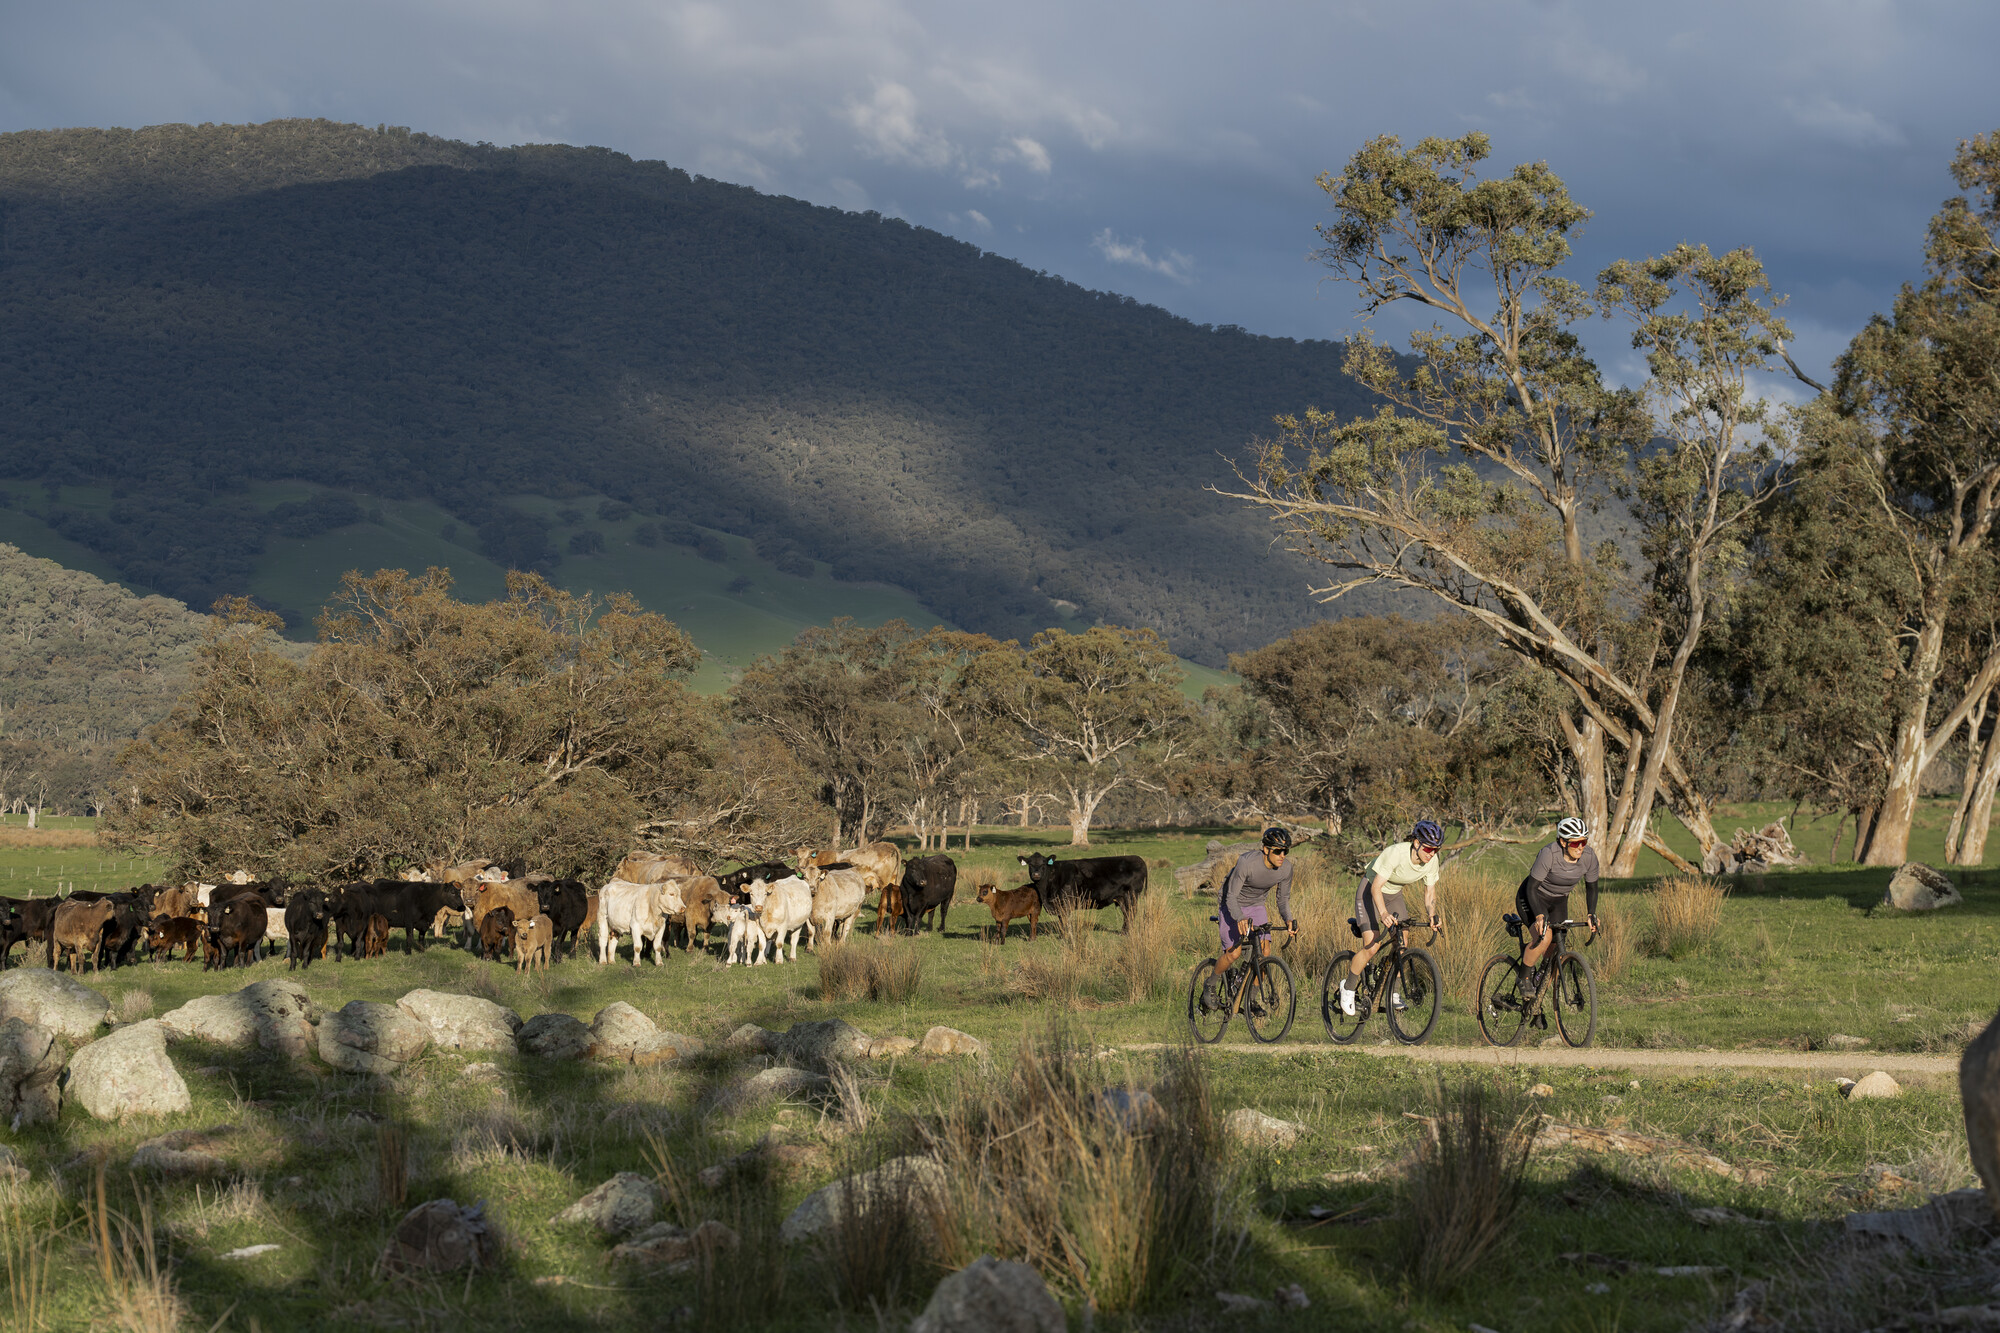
point(1544, 894)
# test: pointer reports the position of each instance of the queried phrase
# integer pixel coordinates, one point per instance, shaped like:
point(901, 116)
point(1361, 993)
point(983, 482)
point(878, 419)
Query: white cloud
point(971, 215)
point(889, 128)
point(980, 178)
point(1173, 264)
point(1850, 127)
point(1028, 153)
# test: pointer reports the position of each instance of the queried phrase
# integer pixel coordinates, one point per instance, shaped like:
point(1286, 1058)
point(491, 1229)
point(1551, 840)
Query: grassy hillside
point(187, 311)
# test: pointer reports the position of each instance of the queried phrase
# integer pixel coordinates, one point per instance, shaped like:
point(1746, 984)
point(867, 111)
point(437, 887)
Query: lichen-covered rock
point(676, 1248)
point(619, 1030)
point(441, 1237)
point(1915, 887)
point(992, 1295)
point(554, 1037)
point(916, 1182)
point(1258, 1130)
point(882, 1048)
point(54, 1000)
point(366, 1037)
point(784, 1081)
point(1979, 1093)
point(751, 1039)
point(274, 1015)
point(462, 1022)
point(665, 1048)
point(622, 1204)
point(817, 1045)
point(1877, 1084)
point(950, 1041)
point(31, 1065)
point(128, 1073)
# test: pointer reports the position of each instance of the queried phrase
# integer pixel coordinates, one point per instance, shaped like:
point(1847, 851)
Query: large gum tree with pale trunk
point(1474, 481)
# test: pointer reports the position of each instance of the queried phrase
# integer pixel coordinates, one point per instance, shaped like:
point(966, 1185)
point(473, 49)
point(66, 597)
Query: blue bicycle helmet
point(1427, 834)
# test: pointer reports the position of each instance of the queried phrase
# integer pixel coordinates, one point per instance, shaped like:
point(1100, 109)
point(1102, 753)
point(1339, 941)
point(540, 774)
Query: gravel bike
point(1509, 1004)
point(1402, 979)
point(1258, 985)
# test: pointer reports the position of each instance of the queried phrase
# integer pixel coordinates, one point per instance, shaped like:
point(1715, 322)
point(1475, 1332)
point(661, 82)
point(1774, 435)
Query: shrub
point(1116, 1198)
point(1464, 1183)
point(1687, 913)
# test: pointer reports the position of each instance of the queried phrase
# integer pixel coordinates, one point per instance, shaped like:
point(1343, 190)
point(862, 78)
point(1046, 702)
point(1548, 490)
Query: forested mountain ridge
point(187, 309)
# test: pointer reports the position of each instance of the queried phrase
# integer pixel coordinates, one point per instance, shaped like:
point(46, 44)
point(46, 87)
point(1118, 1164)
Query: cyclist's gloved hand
point(1593, 923)
point(1293, 925)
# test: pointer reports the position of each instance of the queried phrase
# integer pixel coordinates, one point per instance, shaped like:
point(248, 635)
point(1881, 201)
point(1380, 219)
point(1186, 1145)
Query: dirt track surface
point(1827, 1064)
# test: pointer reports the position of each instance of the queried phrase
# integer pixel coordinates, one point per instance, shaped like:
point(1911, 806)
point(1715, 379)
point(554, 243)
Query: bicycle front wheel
point(1576, 1000)
point(1416, 985)
point(1271, 1003)
point(1342, 1027)
point(1204, 1023)
point(1502, 1012)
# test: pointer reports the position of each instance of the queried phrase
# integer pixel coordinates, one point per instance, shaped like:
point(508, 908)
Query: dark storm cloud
point(1165, 150)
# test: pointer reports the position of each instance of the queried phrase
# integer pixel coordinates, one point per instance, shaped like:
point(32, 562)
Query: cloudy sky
point(1167, 150)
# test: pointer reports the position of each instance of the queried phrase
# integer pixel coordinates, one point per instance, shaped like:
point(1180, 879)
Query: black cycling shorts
point(1530, 902)
point(1364, 905)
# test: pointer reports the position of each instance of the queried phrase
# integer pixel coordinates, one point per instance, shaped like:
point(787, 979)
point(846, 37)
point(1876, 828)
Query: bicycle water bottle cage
point(1354, 926)
point(1215, 918)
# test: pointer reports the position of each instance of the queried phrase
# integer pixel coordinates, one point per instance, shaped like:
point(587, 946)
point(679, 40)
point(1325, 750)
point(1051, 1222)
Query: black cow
point(308, 917)
point(408, 907)
point(235, 930)
point(29, 919)
point(1092, 882)
point(126, 932)
point(928, 885)
point(565, 902)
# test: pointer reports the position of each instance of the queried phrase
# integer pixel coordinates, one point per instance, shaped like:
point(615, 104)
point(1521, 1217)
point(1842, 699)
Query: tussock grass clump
point(392, 1166)
point(1065, 977)
point(1472, 900)
point(136, 1290)
point(1613, 951)
point(1322, 909)
point(866, 968)
point(27, 1246)
point(749, 1206)
point(1144, 965)
point(134, 1005)
point(1687, 914)
point(1118, 1197)
point(882, 1244)
point(1464, 1185)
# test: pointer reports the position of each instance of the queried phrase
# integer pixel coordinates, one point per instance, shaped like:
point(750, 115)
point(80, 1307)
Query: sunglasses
point(1573, 842)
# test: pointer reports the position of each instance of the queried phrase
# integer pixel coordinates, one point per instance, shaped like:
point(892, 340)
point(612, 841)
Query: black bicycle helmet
point(1278, 839)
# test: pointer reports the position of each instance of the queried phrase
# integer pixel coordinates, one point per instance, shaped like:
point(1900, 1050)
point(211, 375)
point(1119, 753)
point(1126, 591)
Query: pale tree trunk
point(1979, 808)
point(1889, 844)
point(1083, 804)
point(1864, 830)
point(1967, 781)
point(1586, 751)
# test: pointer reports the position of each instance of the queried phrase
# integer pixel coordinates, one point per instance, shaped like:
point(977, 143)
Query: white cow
point(784, 911)
point(637, 910)
point(746, 937)
point(837, 896)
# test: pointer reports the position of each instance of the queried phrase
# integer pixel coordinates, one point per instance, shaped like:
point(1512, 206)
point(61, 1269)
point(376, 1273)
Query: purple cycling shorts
point(1237, 931)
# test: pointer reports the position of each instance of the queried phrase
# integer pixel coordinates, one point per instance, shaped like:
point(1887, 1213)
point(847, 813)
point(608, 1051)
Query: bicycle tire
point(1575, 999)
point(1272, 992)
point(1342, 1028)
point(1199, 1022)
point(1502, 1015)
point(1417, 981)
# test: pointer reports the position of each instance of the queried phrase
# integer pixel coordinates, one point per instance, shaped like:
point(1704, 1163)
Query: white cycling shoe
point(1346, 999)
point(1396, 1001)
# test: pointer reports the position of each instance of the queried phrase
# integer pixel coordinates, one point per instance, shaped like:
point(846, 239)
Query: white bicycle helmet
point(1572, 829)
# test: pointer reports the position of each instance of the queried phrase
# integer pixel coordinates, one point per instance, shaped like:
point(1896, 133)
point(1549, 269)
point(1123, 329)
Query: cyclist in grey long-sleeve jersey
point(1241, 903)
point(1559, 867)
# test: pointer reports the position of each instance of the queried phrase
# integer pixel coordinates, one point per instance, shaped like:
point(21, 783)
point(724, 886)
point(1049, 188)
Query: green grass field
point(1797, 959)
point(736, 609)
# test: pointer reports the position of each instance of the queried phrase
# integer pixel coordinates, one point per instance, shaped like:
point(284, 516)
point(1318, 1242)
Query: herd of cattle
point(538, 918)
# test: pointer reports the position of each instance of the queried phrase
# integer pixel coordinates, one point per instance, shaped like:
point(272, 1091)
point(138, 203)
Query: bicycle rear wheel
point(1272, 1002)
point(1502, 1012)
point(1207, 1026)
point(1575, 1000)
point(1416, 982)
point(1343, 1027)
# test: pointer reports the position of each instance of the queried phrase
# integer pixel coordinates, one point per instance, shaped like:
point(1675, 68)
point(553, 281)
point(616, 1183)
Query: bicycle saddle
point(1354, 925)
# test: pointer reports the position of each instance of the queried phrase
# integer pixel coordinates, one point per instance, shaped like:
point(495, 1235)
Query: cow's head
point(1037, 865)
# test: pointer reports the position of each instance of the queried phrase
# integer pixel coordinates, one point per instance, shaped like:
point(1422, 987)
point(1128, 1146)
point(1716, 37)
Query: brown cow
point(1010, 903)
point(171, 903)
point(496, 932)
point(704, 899)
point(652, 867)
point(533, 939)
point(79, 926)
point(517, 895)
point(375, 936)
point(166, 934)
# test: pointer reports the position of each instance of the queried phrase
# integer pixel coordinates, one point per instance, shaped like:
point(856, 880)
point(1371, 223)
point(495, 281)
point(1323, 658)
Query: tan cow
point(171, 903)
point(652, 867)
point(880, 864)
point(533, 939)
point(705, 901)
point(515, 894)
point(837, 896)
point(79, 927)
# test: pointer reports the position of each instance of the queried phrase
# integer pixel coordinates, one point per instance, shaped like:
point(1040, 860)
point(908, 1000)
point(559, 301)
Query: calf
point(1091, 882)
point(308, 916)
point(746, 937)
point(533, 940)
point(516, 895)
point(375, 937)
point(928, 886)
point(79, 928)
point(1009, 903)
point(235, 930)
point(496, 932)
point(703, 897)
point(164, 934)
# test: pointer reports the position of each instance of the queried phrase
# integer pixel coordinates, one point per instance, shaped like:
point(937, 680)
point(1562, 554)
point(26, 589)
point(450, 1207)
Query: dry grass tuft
point(1472, 900)
point(1118, 1197)
point(883, 1240)
point(1464, 1185)
point(1612, 953)
point(1147, 960)
point(1322, 908)
point(28, 1247)
point(137, 1289)
point(392, 1166)
point(134, 1005)
point(1064, 978)
point(1687, 914)
point(867, 968)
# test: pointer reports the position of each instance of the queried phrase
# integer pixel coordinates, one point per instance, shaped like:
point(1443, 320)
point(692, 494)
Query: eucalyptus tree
point(1475, 481)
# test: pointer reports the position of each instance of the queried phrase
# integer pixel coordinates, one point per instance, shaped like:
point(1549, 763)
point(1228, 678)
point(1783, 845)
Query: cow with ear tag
point(1089, 883)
